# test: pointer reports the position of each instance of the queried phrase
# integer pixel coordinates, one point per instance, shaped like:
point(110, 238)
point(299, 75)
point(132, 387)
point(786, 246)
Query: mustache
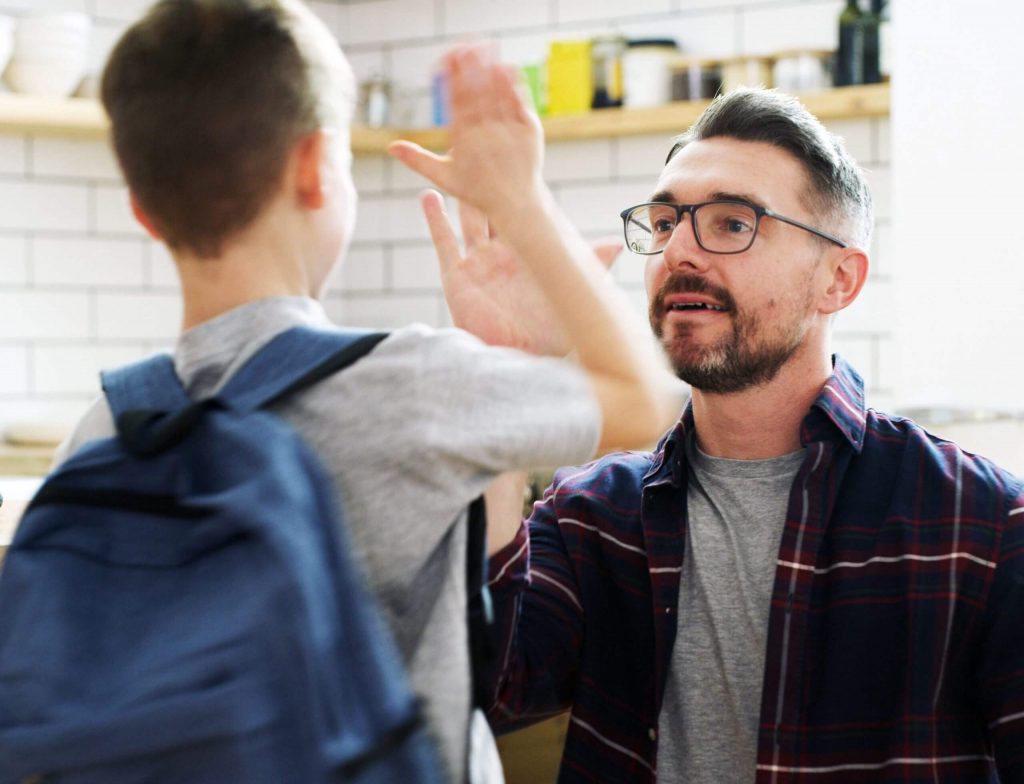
point(692, 284)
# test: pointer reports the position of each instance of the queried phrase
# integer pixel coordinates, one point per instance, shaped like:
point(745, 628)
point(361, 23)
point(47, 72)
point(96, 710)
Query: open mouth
point(679, 306)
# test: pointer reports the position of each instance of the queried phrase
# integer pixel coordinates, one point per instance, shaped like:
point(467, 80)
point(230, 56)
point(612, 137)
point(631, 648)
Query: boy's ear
point(143, 218)
point(312, 182)
point(849, 273)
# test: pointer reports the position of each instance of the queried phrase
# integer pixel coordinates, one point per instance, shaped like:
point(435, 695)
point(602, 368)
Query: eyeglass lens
point(721, 227)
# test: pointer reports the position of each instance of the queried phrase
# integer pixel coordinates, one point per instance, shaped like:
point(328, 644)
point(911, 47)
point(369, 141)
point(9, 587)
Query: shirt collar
point(838, 409)
point(840, 406)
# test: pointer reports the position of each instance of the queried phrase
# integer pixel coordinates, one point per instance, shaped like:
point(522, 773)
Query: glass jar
point(802, 70)
point(606, 59)
point(749, 70)
point(694, 79)
point(647, 71)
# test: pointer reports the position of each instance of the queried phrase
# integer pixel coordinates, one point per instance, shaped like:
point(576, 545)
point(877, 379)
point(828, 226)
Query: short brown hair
point(838, 189)
point(206, 99)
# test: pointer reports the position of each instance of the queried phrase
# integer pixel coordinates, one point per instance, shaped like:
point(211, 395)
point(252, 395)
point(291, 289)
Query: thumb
point(607, 251)
point(435, 168)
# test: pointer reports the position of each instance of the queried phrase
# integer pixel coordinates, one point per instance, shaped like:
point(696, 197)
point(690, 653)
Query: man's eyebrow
point(725, 196)
point(662, 196)
point(667, 196)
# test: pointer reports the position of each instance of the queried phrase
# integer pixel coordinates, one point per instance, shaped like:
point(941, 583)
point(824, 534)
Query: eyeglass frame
point(759, 212)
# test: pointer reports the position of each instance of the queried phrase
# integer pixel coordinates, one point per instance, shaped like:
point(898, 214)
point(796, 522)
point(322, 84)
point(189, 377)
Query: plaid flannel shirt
point(896, 630)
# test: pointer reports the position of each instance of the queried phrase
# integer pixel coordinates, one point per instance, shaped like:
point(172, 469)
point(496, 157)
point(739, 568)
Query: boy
point(230, 122)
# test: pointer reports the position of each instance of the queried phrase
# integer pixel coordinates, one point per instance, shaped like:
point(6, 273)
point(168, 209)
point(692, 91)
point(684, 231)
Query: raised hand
point(489, 291)
point(496, 139)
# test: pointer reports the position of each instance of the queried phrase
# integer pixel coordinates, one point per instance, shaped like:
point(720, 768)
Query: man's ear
point(849, 272)
point(144, 220)
point(310, 158)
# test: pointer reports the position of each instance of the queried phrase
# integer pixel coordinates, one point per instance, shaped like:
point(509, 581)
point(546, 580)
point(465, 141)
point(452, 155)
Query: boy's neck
point(260, 263)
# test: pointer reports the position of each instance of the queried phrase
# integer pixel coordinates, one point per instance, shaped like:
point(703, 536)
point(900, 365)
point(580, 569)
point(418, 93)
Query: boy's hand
point(489, 291)
point(496, 139)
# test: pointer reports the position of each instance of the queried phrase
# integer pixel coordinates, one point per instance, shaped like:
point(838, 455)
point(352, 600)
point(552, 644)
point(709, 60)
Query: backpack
point(179, 605)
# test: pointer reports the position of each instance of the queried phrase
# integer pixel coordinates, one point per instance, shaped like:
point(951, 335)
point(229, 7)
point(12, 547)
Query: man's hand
point(489, 291)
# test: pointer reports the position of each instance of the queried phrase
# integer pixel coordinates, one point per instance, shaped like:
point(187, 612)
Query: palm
point(489, 291)
point(491, 295)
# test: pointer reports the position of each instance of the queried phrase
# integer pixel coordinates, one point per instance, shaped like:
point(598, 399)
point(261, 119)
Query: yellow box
point(570, 78)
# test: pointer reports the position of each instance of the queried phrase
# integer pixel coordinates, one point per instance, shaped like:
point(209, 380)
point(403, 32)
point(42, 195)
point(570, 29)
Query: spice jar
point(606, 59)
point(376, 101)
point(647, 71)
point(752, 71)
point(802, 70)
point(694, 79)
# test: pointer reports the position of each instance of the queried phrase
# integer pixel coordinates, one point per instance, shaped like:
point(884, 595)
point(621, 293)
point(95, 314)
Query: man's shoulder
point(616, 475)
point(902, 449)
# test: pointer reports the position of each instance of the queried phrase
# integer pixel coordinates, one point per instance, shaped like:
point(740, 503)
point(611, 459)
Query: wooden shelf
point(52, 116)
point(85, 117)
point(25, 460)
point(838, 104)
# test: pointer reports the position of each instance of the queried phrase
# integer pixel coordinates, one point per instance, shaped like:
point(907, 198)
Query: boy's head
point(208, 99)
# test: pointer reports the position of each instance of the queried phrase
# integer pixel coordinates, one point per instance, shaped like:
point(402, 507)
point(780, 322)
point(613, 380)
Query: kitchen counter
point(25, 460)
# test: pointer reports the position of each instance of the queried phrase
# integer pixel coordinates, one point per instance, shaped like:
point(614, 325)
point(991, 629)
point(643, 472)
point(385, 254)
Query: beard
point(747, 356)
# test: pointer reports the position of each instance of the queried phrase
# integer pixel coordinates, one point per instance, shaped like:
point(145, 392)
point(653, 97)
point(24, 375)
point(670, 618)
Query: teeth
point(697, 306)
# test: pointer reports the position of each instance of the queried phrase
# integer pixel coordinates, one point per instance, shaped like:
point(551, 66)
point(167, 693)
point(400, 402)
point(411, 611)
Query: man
point(230, 121)
point(790, 587)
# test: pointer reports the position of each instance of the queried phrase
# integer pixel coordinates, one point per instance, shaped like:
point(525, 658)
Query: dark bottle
point(850, 57)
point(870, 24)
point(884, 41)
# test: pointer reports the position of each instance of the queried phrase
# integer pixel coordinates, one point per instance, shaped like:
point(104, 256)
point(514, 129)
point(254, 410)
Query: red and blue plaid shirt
point(896, 631)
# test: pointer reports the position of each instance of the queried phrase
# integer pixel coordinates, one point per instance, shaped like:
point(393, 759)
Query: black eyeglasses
point(719, 226)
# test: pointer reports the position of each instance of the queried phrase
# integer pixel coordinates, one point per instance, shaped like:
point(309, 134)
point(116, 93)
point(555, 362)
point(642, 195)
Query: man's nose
point(683, 252)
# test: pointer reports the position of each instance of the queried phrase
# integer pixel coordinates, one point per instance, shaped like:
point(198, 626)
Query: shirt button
point(652, 734)
point(668, 611)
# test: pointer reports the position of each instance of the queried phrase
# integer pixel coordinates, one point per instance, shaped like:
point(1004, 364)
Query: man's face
point(763, 299)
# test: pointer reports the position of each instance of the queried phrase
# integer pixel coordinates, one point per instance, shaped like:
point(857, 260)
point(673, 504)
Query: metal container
point(375, 102)
point(749, 71)
point(694, 79)
point(606, 60)
point(803, 70)
point(647, 71)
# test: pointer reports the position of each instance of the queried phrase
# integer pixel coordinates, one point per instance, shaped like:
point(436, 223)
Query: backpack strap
point(293, 360)
point(152, 410)
point(480, 607)
point(150, 384)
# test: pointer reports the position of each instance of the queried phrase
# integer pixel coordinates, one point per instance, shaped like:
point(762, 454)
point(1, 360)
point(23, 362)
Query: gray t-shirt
point(709, 718)
point(411, 434)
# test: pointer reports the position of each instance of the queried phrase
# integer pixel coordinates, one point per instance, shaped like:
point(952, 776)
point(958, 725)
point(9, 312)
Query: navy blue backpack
point(179, 606)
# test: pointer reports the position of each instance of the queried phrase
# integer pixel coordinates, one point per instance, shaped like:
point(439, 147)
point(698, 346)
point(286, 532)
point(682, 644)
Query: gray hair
point(838, 190)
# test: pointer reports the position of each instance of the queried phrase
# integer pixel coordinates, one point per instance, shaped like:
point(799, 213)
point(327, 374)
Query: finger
point(474, 224)
point(470, 93)
point(516, 102)
point(607, 251)
point(436, 168)
point(441, 232)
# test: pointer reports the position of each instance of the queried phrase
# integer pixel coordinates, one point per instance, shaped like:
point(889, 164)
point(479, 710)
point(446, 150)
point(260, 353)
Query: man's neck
point(763, 421)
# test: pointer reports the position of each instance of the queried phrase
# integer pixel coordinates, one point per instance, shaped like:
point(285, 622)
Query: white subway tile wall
point(82, 287)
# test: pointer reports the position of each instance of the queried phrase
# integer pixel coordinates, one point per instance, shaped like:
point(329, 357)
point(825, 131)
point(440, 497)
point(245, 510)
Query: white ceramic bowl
point(70, 43)
point(50, 55)
point(6, 40)
point(50, 80)
point(70, 22)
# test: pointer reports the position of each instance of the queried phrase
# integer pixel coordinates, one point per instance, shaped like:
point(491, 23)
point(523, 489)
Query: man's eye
point(663, 225)
point(737, 225)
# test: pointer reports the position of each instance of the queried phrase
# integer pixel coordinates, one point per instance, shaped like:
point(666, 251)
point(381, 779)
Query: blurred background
point(934, 334)
point(927, 95)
